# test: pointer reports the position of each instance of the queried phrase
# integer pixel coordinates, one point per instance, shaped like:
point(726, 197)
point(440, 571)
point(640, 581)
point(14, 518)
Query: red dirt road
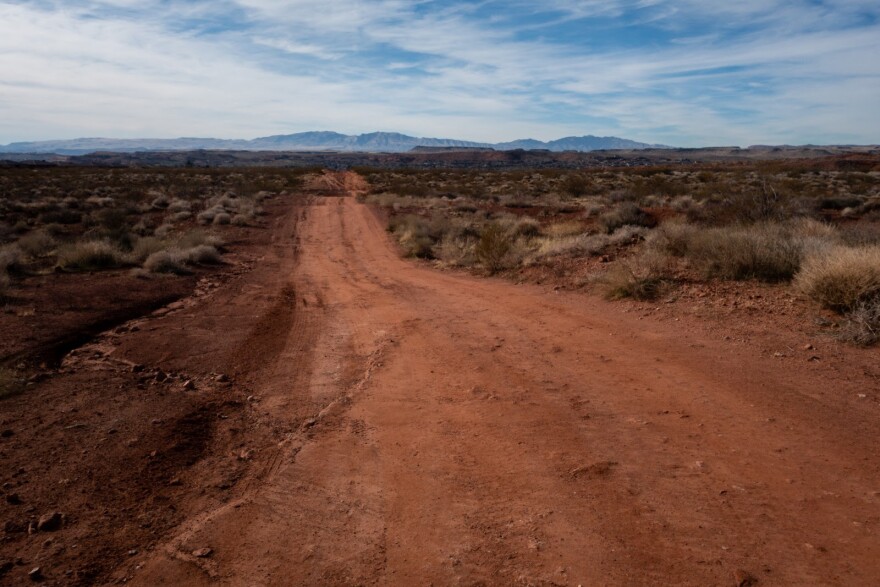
point(443, 429)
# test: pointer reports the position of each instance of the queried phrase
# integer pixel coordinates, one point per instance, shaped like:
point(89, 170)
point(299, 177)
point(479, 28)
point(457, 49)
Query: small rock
point(50, 522)
point(176, 481)
point(7, 433)
point(246, 454)
point(808, 347)
point(36, 574)
point(160, 377)
point(222, 378)
point(203, 552)
point(188, 384)
point(743, 578)
point(13, 499)
point(132, 552)
point(137, 368)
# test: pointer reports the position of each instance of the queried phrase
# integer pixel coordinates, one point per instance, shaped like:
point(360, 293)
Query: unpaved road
point(438, 428)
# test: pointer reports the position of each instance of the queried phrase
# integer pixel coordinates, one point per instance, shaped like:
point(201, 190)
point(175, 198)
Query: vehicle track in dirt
point(437, 428)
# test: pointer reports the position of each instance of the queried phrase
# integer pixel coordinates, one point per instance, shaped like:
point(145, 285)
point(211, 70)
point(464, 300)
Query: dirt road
point(443, 429)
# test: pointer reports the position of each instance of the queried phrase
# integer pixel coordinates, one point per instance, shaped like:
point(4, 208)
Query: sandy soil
point(387, 423)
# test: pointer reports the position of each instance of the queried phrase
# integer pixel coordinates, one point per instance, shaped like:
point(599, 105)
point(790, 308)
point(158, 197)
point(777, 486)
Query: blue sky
point(680, 72)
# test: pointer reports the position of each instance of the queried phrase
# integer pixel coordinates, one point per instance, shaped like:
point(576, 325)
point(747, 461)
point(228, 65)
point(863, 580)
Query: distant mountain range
point(386, 142)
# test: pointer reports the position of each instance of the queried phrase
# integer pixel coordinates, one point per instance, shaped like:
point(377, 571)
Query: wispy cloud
point(675, 71)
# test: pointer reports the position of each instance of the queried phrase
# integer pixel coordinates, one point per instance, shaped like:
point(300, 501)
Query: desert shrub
point(576, 185)
point(181, 216)
point(37, 243)
point(240, 220)
point(526, 227)
point(563, 229)
point(769, 252)
point(640, 277)
point(862, 323)
point(493, 246)
point(627, 213)
point(418, 235)
point(144, 247)
point(222, 218)
point(673, 238)
point(206, 217)
point(198, 237)
point(89, 256)
point(841, 278)
point(203, 255)
point(167, 261)
point(178, 205)
point(4, 285)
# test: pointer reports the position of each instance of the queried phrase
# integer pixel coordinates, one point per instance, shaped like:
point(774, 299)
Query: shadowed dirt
point(421, 427)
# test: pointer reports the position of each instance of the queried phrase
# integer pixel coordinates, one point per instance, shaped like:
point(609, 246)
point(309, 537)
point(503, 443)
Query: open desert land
point(664, 373)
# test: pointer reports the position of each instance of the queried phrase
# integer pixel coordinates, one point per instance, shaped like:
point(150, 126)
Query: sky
point(677, 72)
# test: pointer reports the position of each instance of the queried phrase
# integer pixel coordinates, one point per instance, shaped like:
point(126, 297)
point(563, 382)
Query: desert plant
point(769, 252)
point(222, 218)
point(493, 247)
point(37, 243)
point(862, 323)
point(640, 277)
point(89, 256)
point(167, 261)
point(626, 213)
point(203, 255)
point(841, 278)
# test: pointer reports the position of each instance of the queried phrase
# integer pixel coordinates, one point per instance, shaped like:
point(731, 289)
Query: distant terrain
point(387, 142)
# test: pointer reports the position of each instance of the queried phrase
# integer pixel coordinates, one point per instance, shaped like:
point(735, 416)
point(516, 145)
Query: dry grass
point(493, 247)
point(862, 324)
point(640, 277)
point(90, 256)
point(842, 278)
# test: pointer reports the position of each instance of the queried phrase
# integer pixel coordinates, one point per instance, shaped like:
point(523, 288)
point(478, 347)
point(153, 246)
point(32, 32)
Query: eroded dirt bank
point(440, 429)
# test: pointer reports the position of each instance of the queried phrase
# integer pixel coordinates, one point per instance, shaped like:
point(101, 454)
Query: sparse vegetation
point(640, 232)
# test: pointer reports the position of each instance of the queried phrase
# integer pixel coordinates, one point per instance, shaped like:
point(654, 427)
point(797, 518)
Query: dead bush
point(842, 278)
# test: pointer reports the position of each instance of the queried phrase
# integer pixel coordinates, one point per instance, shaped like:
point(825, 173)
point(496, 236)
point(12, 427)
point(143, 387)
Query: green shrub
point(89, 256)
point(842, 278)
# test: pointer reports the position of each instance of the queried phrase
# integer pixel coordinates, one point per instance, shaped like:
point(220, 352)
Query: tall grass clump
point(89, 256)
point(842, 278)
point(640, 277)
